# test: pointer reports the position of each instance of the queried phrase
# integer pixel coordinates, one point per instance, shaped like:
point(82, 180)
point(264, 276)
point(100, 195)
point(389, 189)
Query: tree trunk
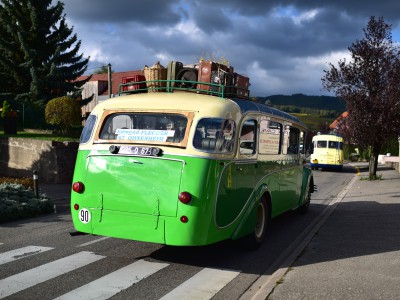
point(10, 125)
point(373, 162)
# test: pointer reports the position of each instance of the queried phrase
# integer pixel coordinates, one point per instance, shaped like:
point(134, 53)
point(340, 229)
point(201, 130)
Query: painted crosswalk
point(24, 280)
point(203, 285)
point(12, 255)
point(115, 282)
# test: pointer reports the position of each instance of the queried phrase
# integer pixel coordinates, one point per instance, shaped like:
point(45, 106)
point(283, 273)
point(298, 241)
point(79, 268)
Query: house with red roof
point(98, 87)
point(335, 126)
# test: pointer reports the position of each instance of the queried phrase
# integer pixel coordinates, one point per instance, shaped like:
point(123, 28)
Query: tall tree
point(39, 53)
point(369, 84)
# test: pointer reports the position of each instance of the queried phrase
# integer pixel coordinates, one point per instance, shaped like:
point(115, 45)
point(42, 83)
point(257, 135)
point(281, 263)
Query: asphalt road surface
point(39, 259)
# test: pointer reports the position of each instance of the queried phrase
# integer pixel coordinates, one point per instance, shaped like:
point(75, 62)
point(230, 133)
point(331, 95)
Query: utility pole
point(109, 81)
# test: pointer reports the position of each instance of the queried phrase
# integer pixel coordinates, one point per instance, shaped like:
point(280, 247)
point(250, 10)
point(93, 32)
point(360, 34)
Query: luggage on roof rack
point(207, 77)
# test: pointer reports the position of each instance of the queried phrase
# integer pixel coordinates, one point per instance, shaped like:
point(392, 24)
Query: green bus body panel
point(137, 197)
point(143, 185)
point(140, 201)
point(236, 187)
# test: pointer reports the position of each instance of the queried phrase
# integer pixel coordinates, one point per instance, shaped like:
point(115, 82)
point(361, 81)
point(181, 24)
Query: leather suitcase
point(174, 67)
point(242, 84)
point(221, 77)
point(217, 77)
point(133, 87)
point(229, 90)
point(205, 70)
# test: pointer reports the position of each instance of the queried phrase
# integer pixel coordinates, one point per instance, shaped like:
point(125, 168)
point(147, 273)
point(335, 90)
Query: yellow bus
point(327, 151)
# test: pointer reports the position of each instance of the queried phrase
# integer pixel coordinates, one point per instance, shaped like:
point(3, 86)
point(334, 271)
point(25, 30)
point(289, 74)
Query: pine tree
point(39, 53)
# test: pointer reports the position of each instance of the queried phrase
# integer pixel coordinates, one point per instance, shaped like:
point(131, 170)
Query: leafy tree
point(369, 84)
point(102, 70)
point(6, 109)
point(63, 112)
point(39, 53)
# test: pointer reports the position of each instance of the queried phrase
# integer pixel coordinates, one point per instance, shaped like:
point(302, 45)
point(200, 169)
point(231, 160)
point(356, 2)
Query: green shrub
point(17, 202)
point(63, 112)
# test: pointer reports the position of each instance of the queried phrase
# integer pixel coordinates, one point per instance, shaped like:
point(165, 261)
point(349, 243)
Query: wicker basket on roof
point(155, 72)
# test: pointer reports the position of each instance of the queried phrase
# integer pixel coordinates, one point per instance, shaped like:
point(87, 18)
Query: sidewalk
point(356, 252)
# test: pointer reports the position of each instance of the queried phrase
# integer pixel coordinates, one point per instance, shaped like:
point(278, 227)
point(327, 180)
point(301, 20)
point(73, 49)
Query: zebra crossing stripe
point(109, 285)
point(95, 241)
point(204, 285)
point(29, 278)
point(21, 253)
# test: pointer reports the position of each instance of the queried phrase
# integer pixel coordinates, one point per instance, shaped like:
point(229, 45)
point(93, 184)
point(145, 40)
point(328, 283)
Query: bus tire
point(303, 209)
point(256, 238)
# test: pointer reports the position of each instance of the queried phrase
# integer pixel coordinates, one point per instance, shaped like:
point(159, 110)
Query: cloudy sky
point(283, 46)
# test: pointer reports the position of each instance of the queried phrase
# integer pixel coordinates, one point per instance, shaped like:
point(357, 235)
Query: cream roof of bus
point(206, 105)
point(327, 137)
point(180, 101)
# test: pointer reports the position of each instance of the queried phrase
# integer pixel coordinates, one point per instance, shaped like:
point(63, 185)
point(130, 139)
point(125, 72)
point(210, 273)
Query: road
point(40, 260)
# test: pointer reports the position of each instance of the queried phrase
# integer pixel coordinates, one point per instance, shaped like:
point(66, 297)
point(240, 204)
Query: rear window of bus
point(144, 127)
point(88, 129)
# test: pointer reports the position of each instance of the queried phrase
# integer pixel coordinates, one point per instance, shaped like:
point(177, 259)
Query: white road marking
point(204, 285)
point(95, 241)
point(111, 284)
point(29, 278)
point(21, 253)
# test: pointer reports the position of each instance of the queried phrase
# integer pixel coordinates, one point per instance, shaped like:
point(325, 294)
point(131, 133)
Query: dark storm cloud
point(148, 12)
point(283, 45)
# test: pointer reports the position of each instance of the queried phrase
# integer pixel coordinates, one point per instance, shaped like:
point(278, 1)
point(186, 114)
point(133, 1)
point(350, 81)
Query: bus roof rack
point(169, 86)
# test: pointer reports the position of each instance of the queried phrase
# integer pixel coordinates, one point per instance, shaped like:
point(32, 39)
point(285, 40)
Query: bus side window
point(248, 136)
point(270, 137)
point(294, 141)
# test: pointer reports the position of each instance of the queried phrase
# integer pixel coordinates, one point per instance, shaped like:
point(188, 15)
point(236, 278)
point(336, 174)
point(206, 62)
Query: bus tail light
point(185, 197)
point(184, 219)
point(78, 187)
point(76, 206)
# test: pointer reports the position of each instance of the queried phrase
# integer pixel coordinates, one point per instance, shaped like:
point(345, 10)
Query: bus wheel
point(255, 239)
point(304, 207)
point(307, 198)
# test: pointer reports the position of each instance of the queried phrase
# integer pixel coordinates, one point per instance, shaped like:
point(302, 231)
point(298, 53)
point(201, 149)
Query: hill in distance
point(317, 112)
point(304, 101)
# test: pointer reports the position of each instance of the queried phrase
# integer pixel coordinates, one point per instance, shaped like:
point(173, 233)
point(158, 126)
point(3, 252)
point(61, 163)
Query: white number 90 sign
point(84, 215)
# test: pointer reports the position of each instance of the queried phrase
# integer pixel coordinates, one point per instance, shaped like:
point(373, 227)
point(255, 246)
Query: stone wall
point(54, 161)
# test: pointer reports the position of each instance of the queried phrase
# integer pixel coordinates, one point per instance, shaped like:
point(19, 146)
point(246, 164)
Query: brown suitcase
point(229, 90)
point(242, 84)
point(212, 72)
point(205, 70)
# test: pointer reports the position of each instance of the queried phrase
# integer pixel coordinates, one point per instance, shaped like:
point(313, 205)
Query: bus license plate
point(144, 151)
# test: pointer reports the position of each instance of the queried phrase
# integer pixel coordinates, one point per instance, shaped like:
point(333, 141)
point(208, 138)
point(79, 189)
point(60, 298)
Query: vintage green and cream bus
point(186, 168)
